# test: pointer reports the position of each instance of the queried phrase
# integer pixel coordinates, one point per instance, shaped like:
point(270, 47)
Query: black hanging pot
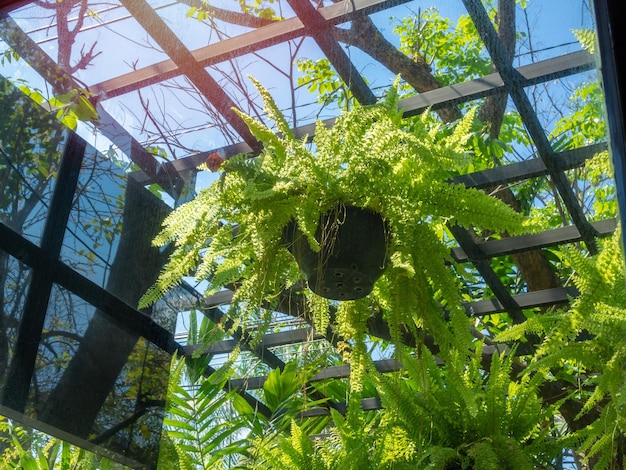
point(352, 256)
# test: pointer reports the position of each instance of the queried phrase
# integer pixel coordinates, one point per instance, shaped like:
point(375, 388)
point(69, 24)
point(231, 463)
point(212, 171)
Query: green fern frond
point(535, 325)
point(392, 98)
point(587, 38)
point(185, 459)
point(438, 457)
point(193, 422)
point(484, 456)
point(397, 447)
point(462, 131)
point(273, 143)
point(368, 158)
point(599, 443)
point(319, 309)
point(272, 110)
point(588, 338)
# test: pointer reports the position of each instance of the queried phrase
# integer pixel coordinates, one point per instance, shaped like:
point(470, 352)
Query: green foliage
point(585, 343)
point(320, 79)
point(587, 38)
point(199, 434)
point(201, 333)
point(30, 141)
point(74, 106)
point(460, 411)
point(585, 124)
point(276, 451)
point(15, 444)
point(70, 107)
point(280, 386)
point(256, 8)
point(602, 191)
point(206, 427)
point(433, 415)
point(588, 338)
point(259, 8)
point(230, 233)
point(347, 444)
point(201, 12)
point(26, 449)
point(425, 35)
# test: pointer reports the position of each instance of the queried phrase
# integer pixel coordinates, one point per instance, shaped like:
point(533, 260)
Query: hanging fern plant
point(232, 233)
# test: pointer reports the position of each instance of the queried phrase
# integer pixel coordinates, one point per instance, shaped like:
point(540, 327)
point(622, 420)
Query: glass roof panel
point(94, 44)
point(124, 57)
point(171, 115)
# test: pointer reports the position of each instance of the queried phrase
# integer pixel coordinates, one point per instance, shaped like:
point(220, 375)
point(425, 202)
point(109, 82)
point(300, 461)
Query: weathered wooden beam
point(527, 300)
point(269, 340)
point(532, 74)
point(333, 372)
point(483, 266)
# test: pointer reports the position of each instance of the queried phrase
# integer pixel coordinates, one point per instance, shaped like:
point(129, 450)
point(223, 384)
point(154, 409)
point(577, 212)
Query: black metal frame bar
point(22, 364)
point(612, 39)
point(514, 84)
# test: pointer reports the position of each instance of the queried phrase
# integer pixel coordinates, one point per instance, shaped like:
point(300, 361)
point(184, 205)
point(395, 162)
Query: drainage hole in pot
point(355, 267)
point(339, 285)
point(358, 289)
point(356, 279)
point(337, 274)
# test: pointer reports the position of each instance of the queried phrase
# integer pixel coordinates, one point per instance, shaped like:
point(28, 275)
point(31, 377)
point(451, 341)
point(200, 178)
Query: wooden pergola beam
point(317, 26)
point(538, 72)
point(531, 74)
point(538, 298)
point(269, 340)
point(154, 25)
point(532, 299)
point(331, 372)
point(483, 266)
point(246, 43)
